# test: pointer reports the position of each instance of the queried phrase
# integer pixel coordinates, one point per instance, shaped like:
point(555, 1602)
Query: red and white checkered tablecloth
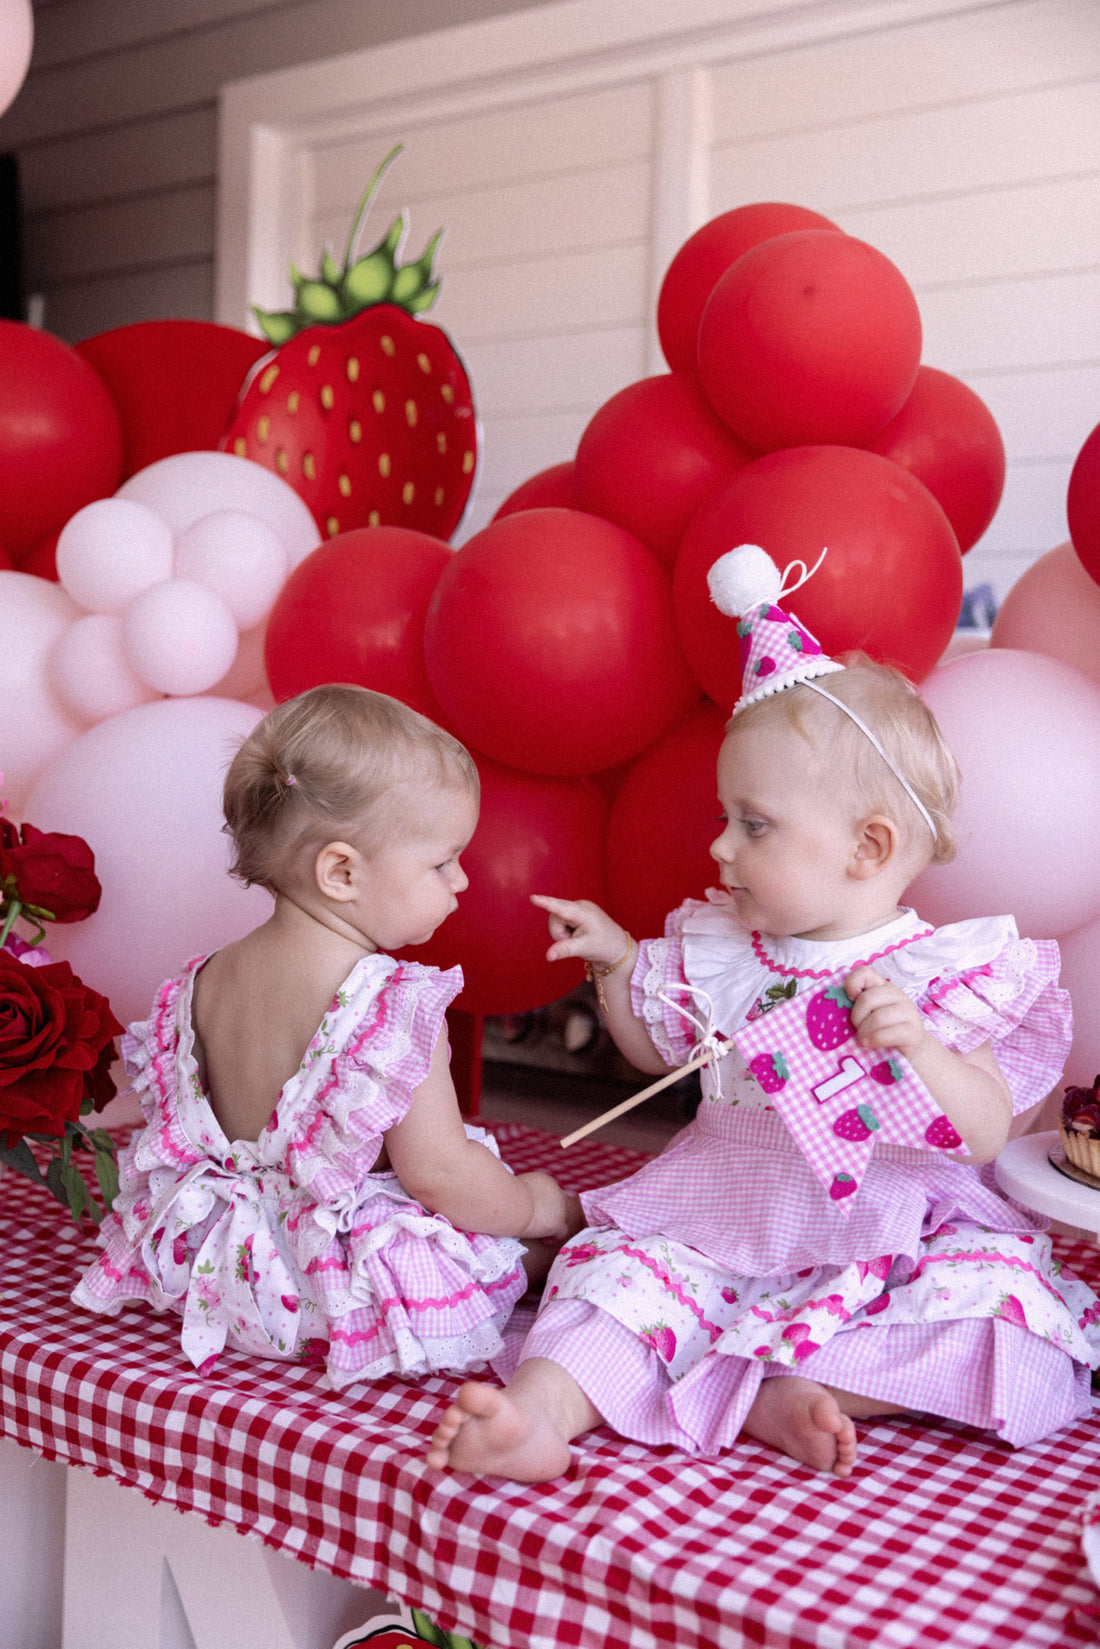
point(941, 1537)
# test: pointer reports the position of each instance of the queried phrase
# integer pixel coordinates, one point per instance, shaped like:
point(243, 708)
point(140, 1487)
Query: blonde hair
point(333, 758)
point(908, 733)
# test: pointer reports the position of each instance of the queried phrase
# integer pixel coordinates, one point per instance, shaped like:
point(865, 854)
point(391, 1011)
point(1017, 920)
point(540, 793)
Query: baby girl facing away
point(726, 1290)
point(304, 1186)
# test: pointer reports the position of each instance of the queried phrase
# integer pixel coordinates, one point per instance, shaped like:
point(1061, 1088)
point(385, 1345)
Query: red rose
point(52, 872)
point(56, 1046)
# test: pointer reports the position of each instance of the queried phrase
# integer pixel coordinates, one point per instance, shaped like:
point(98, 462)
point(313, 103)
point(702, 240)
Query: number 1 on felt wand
point(654, 1088)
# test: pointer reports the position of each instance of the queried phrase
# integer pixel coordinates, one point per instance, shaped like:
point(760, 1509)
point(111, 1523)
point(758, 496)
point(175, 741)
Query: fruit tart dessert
point(1080, 1128)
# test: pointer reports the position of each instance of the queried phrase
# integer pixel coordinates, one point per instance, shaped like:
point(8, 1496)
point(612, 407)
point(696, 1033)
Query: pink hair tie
point(289, 780)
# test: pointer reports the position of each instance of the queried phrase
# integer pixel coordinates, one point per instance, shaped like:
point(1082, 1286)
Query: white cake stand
point(1024, 1171)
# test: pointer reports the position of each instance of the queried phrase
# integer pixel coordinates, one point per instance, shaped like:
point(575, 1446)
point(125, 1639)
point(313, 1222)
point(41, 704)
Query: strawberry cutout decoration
point(942, 1134)
point(362, 407)
point(770, 1070)
point(828, 1018)
point(859, 1123)
point(394, 1632)
point(838, 1101)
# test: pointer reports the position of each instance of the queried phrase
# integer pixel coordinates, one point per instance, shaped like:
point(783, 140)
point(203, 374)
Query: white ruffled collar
point(732, 968)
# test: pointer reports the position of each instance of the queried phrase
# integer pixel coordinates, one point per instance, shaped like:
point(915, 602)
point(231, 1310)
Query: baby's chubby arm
point(461, 1179)
point(968, 1088)
point(580, 928)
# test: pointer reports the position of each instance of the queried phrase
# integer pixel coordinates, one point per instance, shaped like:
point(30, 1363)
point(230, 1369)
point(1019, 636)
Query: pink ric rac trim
point(674, 1288)
point(427, 1304)
point(301, 1141)
point(827, 973)
point(172, 1137)
point(1004, 1259)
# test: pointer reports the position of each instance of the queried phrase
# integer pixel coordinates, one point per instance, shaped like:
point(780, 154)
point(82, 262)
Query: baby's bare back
point(253, 1017)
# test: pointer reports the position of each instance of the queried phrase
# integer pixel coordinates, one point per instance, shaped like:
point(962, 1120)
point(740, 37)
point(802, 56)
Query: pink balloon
point(1054, 608)
point(34, 723)
point(89, 673)
point(179, 637)
point(239, 557)
point(110, 551)
point(1025, 731)
point(188, 485)
point(144, 790)
point(1081, 978)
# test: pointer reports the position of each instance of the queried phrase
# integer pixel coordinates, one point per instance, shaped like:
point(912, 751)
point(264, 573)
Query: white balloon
point(16, 40)
point(88, 670)
point(239, 557)
point(112, 550)
point(189, 485)
point(34, 724)
point(144, 791)
point(179, 637)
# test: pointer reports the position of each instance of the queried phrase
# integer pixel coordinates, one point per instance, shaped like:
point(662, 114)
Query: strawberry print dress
point(731, 1258)
point(290, 1246)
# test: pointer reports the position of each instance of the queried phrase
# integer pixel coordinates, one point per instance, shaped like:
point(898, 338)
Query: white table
point(1024, 1171)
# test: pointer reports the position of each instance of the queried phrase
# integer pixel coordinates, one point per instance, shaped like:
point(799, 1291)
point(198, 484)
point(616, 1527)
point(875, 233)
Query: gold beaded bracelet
point(598, 975)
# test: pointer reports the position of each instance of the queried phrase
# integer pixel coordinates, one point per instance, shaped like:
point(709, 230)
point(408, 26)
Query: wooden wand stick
point(721, 1049)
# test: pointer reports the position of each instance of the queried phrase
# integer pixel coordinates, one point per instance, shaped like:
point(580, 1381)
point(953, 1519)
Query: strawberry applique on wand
point(362, 407)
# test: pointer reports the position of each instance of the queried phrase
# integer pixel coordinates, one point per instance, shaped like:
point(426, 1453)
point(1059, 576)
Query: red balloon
point(550, 489)
point(175, 383)
point(535, 835)
point(891, 582)
point(947, 437)
point(550, 643)
point(662, 823)
point(60, 436)
point(811, 337)
point(1083, 504)
point(42, 559)
point(353, 610)
point(651, 455)
point(691, 276)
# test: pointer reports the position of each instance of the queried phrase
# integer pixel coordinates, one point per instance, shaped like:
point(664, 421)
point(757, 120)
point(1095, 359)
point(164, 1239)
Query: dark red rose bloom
point(49, 870)
point(56, 1045)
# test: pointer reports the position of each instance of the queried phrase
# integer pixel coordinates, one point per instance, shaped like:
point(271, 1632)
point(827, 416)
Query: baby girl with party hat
point(820, 1244)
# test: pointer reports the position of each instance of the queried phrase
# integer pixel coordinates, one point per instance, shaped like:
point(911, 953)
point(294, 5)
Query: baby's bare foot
point(805, 1421)
point(486, 1432)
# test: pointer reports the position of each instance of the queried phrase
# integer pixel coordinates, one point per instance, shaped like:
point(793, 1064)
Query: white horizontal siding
point(116, 134)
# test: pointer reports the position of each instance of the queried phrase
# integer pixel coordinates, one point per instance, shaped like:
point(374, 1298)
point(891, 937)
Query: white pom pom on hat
point(744, 578)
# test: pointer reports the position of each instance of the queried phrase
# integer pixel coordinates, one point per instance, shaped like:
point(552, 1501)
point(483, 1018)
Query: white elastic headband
point(866, 731)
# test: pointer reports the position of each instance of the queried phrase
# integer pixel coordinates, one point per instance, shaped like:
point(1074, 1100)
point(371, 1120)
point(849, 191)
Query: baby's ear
point(878, 845)
point(336, 871)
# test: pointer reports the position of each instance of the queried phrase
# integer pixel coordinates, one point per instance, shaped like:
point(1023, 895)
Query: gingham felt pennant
point(942, 1538)
point(837, 1099)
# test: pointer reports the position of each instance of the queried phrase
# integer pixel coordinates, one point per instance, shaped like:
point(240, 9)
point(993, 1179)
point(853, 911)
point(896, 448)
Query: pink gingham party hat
point(776, 650)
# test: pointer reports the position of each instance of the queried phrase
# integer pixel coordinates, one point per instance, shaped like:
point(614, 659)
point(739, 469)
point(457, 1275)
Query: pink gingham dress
point(724, 1262)
point(290, 1246)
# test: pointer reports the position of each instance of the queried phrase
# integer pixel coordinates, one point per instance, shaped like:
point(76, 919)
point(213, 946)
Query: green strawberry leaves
point(339, 292)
